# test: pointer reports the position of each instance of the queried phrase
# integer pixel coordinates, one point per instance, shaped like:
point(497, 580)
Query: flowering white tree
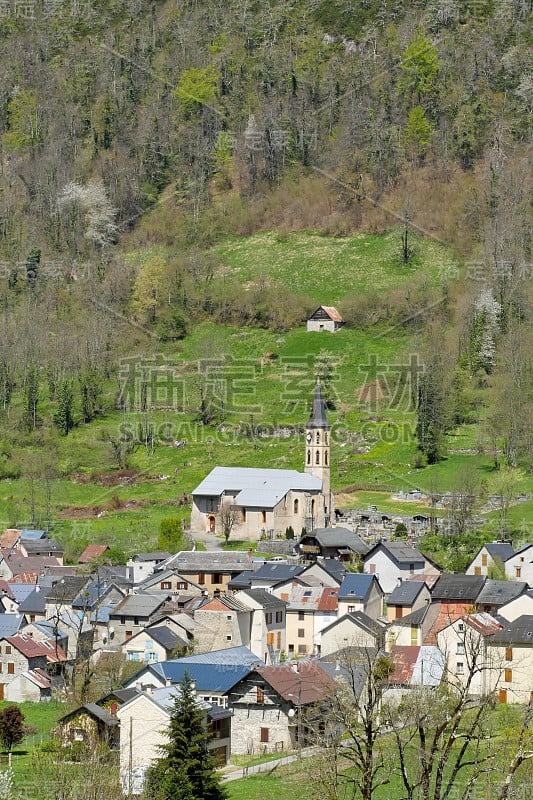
point(92, 202)
point(483, 330)
point(6, 784)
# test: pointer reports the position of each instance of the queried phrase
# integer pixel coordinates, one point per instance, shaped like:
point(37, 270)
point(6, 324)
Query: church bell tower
point(317, 448)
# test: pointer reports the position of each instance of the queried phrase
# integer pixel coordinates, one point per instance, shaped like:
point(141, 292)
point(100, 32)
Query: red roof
point(39, 677)
point(328, 599)
point(32, 649)
point(92, 552)
point(332, 313)
point(404, 658)
point(300, 683)
point(26, 577)
point(9, 537)
point(4, 587)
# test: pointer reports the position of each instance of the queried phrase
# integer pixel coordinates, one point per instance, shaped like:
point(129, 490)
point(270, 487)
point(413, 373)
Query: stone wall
point(246, 727)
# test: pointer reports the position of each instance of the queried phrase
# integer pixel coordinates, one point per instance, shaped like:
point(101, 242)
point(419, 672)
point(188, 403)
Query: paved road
point(211, 541)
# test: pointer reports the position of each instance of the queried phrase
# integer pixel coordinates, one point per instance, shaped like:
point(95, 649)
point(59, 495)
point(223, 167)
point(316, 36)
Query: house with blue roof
point(361, 592)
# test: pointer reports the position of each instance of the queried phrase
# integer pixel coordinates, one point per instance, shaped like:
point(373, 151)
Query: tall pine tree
point(186, 770)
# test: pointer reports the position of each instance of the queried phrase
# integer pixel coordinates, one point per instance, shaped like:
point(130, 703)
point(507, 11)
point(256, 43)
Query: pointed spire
point(318, 417)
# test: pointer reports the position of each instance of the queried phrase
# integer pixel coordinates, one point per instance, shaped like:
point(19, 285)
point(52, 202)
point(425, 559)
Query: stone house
point(222, 622)
point(212, 570)
point(34, 686)
point(325, 318)
point(20, 653)
point(269, 706)
point(134, 613)
point(89, 725)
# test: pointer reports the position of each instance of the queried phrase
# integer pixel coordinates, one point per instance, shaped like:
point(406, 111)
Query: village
point(263, 638)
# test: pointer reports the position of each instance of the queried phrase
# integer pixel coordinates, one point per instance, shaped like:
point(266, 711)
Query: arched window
point(326, 458)
point(317, 457)
point(312, 508)
point(308, 456)
point(325, 439)
point(318, 437)
point(295, 507)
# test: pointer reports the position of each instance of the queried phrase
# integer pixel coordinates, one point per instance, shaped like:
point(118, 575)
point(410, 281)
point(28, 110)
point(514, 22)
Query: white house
point(492, 555)
point(394, 561)
point(519, 567)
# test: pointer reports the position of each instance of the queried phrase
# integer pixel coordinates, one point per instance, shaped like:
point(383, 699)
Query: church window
point(318, 437)
point(308, 456)
point(312, 508)
point(326, 458)
point(296, 506)
point(325, 439)
point(317, 457)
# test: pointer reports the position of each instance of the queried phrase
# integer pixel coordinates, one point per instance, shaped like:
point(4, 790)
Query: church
point(254, 502)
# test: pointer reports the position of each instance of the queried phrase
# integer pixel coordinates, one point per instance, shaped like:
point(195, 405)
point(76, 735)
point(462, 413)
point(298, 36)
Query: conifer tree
point(186, 770)
point(63, 417)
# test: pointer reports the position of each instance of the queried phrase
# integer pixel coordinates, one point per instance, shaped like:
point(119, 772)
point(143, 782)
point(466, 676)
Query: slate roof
point(138, 605)
point(299, 684)
point(242, 581)
point(20, 591)
point(166, 637)
point(361, 620)
point(94, 711)
point(461, 588)
point(35, 603)
point(318, 418)
point(403, 553)
point(518, 632)
point(67, 588)
point(333, 567)
point(160, 555)
point(256, 486)
point(337, 537)
point(10, 624)
point(405, 594)
point(41, 546)
point(357, 586)
point(497, 593)
point(210, 561)
point(500, 550)
point(276, 572)
point(264, 598)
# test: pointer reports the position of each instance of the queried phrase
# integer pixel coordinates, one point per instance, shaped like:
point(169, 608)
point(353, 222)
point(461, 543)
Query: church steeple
point(317, 447)
point(318, 417)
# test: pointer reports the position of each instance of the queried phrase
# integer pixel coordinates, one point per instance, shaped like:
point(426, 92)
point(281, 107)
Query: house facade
point(324, 318)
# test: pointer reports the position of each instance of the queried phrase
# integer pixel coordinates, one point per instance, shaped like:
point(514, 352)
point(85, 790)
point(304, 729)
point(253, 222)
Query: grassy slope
point(269, 379)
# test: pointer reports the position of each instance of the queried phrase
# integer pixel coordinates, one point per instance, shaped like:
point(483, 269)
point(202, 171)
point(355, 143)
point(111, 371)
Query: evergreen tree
point(32, 266)
point(31, 398)
point(6, 387)
point(432, 414)
point(186, 771)
point(63, 418)
point(91, 394)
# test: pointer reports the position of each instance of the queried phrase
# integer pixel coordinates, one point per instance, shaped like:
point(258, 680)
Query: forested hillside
point(142, 142)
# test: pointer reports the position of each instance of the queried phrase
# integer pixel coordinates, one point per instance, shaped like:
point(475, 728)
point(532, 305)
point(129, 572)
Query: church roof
point(256, 486)
point(318, 417)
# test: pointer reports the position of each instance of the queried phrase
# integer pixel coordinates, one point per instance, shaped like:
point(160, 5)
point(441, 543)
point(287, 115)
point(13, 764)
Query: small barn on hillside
point(325, 318)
